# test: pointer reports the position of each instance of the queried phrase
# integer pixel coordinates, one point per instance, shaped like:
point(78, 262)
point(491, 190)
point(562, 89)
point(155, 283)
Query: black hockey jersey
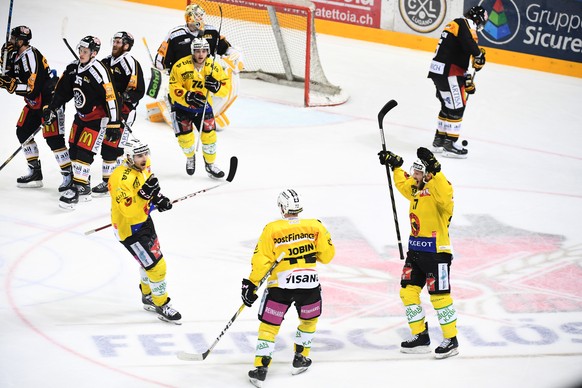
point(177, 45)
point(127, 77)
point(34, 79)
point(457, 44)
point(91, 86)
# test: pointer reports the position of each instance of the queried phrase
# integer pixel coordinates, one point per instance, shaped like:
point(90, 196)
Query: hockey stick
point(22, 145)
point(156, 75)
point(229, 178)
point(385, 109)
point(185, 356)
point(198, 139)
point(63, 29)
point(5, 59)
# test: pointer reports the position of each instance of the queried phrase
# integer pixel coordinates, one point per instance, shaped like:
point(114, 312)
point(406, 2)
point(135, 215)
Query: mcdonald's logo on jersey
point(87, 139)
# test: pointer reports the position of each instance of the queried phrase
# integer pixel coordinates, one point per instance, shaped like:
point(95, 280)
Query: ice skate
point(448, 348)
point(418, 344)
point(69, 199)
point(213, 171)
point(84, 192)
point(148, 302)
point(100, 190)
point(167, 314)
point(300, 362)
point(437, 144)
point(258, 375)
point(190, 165)
point(67, 182)
point(452, 150)
point(34, 177)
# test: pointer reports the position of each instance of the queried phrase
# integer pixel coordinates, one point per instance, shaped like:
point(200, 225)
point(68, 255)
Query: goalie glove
point(8, 83)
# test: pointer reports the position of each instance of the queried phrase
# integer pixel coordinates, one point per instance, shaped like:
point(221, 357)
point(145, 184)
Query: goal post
point(278, 42)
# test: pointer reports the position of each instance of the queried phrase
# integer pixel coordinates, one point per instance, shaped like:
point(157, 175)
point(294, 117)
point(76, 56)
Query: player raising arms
point(191, 79)
point(29, 75)
point(89, 83)
point(128, 80)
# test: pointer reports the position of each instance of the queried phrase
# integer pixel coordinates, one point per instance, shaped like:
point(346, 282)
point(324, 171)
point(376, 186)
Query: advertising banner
point(545, 28)
point(365, 13)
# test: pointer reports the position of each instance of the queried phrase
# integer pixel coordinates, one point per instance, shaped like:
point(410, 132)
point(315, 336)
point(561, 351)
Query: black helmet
point(22, 32)
point(125, 37)
point(91, 42)
point(478, 15)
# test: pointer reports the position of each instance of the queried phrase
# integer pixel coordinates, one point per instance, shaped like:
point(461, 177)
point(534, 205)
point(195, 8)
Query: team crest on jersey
point(79, 98)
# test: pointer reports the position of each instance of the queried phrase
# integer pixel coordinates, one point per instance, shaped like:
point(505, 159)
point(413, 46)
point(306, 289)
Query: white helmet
point(200, 44)
point(289, 202)
point(419, 166)
point(134, 147)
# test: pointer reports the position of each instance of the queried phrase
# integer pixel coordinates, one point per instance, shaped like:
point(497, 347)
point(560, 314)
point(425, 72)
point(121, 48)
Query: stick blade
point(232, 169)
point(185, 356)
point(385, 109)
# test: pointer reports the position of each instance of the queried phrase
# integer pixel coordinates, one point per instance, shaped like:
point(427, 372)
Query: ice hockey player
point(135, 192)
point(294, 280)
point(89, 83)
point(429, 256)
point(29, 75)
point(448, 71)
point(193, 78)
point(129, 81)
point(176, 46)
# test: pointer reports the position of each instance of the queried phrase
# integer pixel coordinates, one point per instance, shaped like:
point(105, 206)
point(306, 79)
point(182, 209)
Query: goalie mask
point(194, 15)
point(132, 148)
point(289, 202)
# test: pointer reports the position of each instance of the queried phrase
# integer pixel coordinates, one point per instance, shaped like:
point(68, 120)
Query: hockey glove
point(390, 159)
point(162, 203)
point(248, 292)
point(48, 115)
point(212, 84)
point(8, 83)
point(195, 99)
point(479, 60)
point(113, 131)
point(469, 85)
point(427, 158)
point(150, 188)
point(126, 99)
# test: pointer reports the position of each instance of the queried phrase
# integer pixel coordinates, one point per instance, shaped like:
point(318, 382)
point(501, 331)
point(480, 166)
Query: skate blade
point(162, 318)
point(296, 371)
point(85, 198)
point(67, 206)
point(440, 356)
point(99, 195)
point(452, 155)
point(30, 185)
point(437, 150)
point(416, 350)
point(256, 382)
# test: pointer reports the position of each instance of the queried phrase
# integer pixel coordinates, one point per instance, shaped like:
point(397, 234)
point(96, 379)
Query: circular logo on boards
point(423, 16)
point(504, 21)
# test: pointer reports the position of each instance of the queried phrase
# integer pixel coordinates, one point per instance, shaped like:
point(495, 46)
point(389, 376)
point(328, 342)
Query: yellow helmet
point(195, 14)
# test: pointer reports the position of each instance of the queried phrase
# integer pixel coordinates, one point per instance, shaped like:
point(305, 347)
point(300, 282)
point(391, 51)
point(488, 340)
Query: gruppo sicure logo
point(504, 21)
point(423, 16)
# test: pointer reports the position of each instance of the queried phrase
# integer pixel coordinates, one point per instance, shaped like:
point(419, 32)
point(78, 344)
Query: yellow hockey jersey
point(185, 78)
point(128, 210)
point(304, 242)
point(430, 211)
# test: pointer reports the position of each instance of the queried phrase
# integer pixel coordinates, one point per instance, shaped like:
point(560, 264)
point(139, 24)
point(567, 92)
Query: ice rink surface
point(70, 306)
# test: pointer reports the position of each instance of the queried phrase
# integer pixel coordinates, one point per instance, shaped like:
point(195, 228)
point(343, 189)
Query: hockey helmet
point(199, 44)
point(289, 202)
point(22, 33)
point(91, 42)
point(478, 15)
point(418, 166)
point(125, 37)
point(195, 15)
point(134, 147)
